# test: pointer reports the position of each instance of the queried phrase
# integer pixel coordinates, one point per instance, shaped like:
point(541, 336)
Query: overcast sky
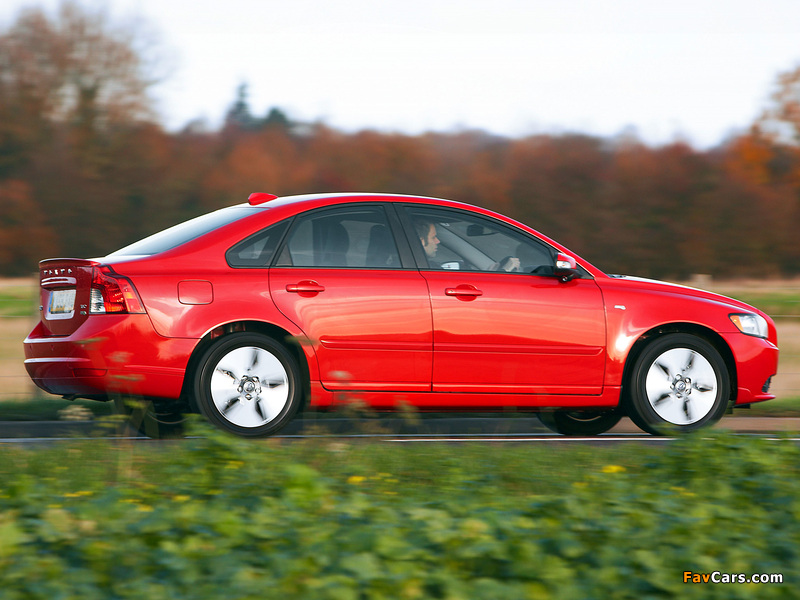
point(690, 69)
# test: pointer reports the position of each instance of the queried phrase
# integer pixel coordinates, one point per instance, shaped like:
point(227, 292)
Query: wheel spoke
point(256, 352)
point(701, 387)
point(665, 369)
point(686, 410)
point(259, 410)
point(230, 404)
point(272, 404)
point(660, 399)
point(228, 373)
point(689, 364)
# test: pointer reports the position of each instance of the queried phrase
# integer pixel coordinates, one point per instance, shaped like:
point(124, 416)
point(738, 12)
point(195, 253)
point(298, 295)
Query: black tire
point(579, 422)
point(679, 384)
point(248, 384)
point(155, 420)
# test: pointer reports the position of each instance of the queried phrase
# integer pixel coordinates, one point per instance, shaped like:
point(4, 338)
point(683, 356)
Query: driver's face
point(430, 243)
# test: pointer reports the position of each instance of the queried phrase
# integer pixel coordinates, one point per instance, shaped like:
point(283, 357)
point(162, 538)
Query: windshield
point(186, 231)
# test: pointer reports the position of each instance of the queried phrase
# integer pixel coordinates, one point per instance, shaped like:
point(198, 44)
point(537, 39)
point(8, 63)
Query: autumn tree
point(85, 168)
point(73, 88)
point(23, 236)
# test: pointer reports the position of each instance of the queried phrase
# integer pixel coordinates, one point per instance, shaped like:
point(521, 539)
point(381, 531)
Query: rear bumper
point(756, 363)
point(106, 355)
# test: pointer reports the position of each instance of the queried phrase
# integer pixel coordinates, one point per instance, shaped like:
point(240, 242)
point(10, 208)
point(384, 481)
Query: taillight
point(112, 293)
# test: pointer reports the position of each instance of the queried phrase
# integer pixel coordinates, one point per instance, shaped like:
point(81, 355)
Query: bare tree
point(74, 68)
point(780, 121)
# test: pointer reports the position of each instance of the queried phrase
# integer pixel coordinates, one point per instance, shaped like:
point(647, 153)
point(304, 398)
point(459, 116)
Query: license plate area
point(61, 305)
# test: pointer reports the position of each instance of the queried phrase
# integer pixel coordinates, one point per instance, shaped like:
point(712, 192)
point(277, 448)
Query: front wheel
point(579, 422)
point(248, 384)
point(678, 384)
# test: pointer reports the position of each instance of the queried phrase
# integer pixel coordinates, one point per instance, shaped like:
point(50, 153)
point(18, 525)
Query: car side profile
point(254, 312)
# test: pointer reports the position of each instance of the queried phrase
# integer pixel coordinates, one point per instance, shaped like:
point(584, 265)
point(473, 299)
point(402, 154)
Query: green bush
point(214, 516)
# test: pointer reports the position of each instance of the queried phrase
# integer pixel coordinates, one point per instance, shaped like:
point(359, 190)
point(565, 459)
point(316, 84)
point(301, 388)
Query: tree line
point(85, 168)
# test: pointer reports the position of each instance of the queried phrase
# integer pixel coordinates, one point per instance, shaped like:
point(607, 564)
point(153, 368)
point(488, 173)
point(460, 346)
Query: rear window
point(186, 231)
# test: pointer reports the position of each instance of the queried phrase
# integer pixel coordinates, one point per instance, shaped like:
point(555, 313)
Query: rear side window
point(258, 249)
point(186, 231)
point(342, 238)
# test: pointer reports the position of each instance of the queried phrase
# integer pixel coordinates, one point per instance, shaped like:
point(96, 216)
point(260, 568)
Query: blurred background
point(651, 140)
point(661, 142)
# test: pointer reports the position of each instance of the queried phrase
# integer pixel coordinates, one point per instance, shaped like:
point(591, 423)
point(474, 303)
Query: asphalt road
point(440, 428)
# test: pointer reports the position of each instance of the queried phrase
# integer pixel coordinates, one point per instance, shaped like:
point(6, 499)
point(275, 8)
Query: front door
point(502, 323)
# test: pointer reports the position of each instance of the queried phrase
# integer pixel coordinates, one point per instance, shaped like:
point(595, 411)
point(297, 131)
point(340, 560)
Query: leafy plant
point(214, 515)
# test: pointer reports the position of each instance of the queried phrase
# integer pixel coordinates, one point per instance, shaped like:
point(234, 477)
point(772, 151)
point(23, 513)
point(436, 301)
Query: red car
point(254, 312)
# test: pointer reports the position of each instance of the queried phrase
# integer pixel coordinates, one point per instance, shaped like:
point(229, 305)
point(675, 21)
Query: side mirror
point(566, 268)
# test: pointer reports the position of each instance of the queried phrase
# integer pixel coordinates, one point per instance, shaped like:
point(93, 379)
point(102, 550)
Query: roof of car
point(280, 200)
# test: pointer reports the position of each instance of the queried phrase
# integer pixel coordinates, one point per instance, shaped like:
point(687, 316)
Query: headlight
point(751, 324)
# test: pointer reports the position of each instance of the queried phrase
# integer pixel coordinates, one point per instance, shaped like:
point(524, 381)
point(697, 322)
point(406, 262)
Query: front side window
point(459, 241)
point(351, 237)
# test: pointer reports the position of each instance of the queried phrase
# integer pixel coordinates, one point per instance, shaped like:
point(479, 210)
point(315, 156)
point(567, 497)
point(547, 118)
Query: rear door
point(344, 280)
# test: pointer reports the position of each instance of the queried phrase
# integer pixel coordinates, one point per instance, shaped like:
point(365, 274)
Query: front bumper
point(107, 355)
point(756, 363)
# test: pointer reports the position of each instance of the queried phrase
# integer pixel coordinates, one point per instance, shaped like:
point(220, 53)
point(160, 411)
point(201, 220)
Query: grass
point(18, 298)
point(776, 304)
point(776, 298)
point(780, 407)
point(375, 468)
point(52, 408)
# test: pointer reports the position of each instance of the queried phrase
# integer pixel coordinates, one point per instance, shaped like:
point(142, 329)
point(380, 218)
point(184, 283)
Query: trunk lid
point(66, 288)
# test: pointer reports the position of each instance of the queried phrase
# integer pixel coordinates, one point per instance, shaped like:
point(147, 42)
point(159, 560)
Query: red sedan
point(254, 312)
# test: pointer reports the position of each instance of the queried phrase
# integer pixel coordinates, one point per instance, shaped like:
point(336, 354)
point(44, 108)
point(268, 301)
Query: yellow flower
point(613, 469)
point(355, 479)
point(78, 494)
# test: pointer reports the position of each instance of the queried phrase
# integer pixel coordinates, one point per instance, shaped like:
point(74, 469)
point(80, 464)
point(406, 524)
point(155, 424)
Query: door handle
point(305, 287)
point(463, 291)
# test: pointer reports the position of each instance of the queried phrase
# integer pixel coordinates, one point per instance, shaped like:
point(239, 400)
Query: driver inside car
point(428, 237)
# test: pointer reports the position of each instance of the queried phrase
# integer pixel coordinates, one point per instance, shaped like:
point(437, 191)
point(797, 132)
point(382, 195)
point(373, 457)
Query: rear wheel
point(579, 422)
point(248, 384)
point(679, 383)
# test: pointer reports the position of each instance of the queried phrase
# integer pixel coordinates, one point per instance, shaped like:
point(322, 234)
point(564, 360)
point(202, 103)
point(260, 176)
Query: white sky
point(689, 69)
